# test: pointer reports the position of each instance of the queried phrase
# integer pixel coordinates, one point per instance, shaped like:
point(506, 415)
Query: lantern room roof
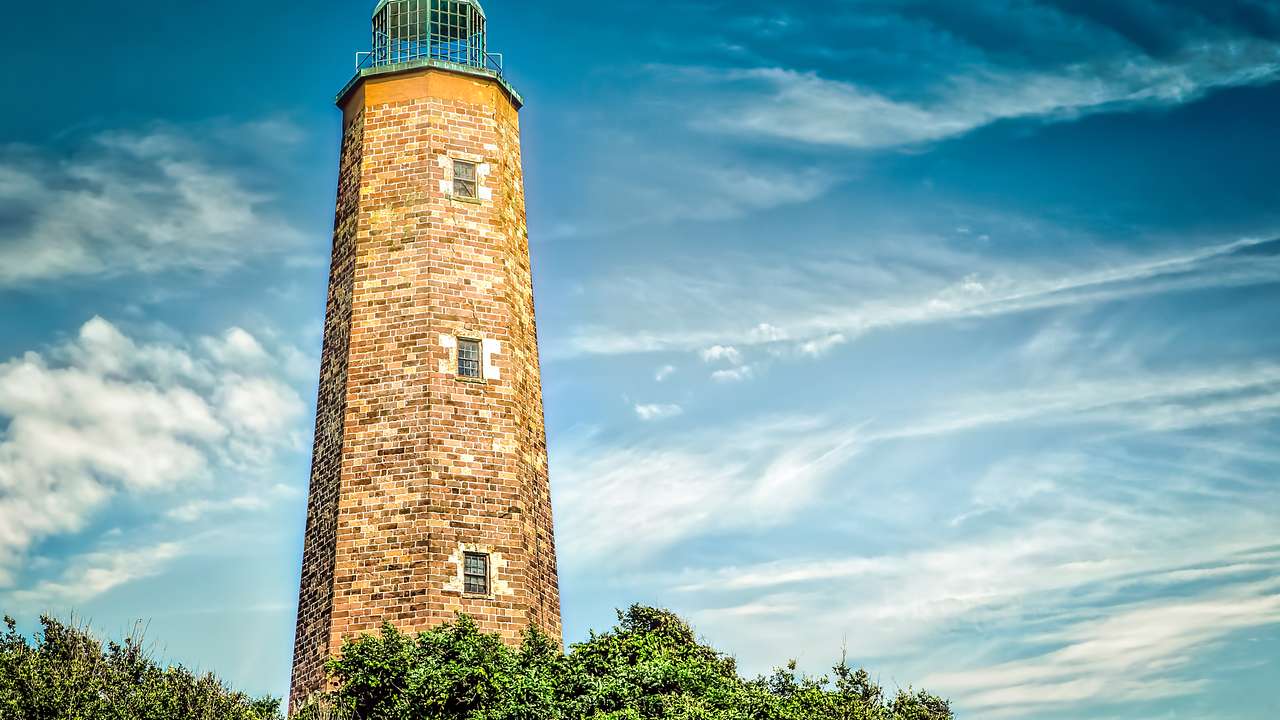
point(473, 3)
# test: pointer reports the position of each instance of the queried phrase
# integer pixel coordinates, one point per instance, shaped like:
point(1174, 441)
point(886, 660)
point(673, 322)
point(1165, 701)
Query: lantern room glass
point(445, 30)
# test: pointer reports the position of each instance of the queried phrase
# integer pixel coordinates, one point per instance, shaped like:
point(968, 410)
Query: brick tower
point(429, 492)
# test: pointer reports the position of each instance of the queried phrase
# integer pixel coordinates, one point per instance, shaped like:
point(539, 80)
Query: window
point(475, 574)
point(469, 359)
point(464, 180)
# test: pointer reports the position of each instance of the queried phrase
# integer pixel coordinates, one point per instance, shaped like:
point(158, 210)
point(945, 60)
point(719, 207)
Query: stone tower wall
point(315, 599)
point(431, 465)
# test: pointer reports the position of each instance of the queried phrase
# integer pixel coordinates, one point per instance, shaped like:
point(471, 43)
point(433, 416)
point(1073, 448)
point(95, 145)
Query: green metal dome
point(473, 3)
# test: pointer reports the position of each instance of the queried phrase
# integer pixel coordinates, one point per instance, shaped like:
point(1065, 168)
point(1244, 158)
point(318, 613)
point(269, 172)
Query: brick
point(413, 466)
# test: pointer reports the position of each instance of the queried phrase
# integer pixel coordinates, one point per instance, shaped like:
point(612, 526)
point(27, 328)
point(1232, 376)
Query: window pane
point(476, 574)
point(469, 358)
point(464, 179)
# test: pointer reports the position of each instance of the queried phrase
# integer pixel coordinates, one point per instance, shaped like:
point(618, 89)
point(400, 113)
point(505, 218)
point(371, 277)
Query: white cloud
point(659, 188)
point(670, 489)
point(804, 107)
point(102, 349)
point(1078, 540)
point(766, 333)
point(1148, 402)
point(718, 353)
point(731, 192)
point(733, 375)
point(1064, 539)
point(102, 415)
point(130, 204)
point(1072, 572)
point(1127, 655)
point(236, 347)
point(818, 300)
point(782, 463)
point(664, 372)
point(730, 355)
point(821, 346)
point(196, 509)
point(658, 412)
point(94, 574)
point(259, 405)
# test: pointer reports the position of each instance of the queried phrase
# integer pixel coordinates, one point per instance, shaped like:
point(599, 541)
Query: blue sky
point(943, 332)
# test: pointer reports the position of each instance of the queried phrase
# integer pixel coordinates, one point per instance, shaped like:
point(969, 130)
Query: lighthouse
point(429, 490)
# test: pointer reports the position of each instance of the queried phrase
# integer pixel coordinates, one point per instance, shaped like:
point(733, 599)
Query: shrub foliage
point(651, 667)
point(67, 674)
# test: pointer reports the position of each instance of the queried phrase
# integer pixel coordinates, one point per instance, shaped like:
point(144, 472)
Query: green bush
point(651, 667)
point(67, 674)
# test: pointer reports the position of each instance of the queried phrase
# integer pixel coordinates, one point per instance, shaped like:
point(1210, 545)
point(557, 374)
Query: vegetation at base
point(651, 667)
point(67, 674)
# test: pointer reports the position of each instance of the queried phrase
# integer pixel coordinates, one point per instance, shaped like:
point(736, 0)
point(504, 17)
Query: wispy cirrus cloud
point(980, 88)
point(1108, 642)
point(1135, 653)
point(133, 203)
point(1139, 535)
point(1138, 402)
point(757, 474)
point(656, 188)
point(820, 300)
point(1083, 571)
point(254, 502)
point(769, 470)
point(655, 411)
point(804, 107)
point(737, 374)
point(96, 573)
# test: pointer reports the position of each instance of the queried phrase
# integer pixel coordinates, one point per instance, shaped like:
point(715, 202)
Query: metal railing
point(388, 51)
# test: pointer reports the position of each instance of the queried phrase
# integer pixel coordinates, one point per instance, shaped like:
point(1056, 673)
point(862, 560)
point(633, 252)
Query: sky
point(942, 334)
